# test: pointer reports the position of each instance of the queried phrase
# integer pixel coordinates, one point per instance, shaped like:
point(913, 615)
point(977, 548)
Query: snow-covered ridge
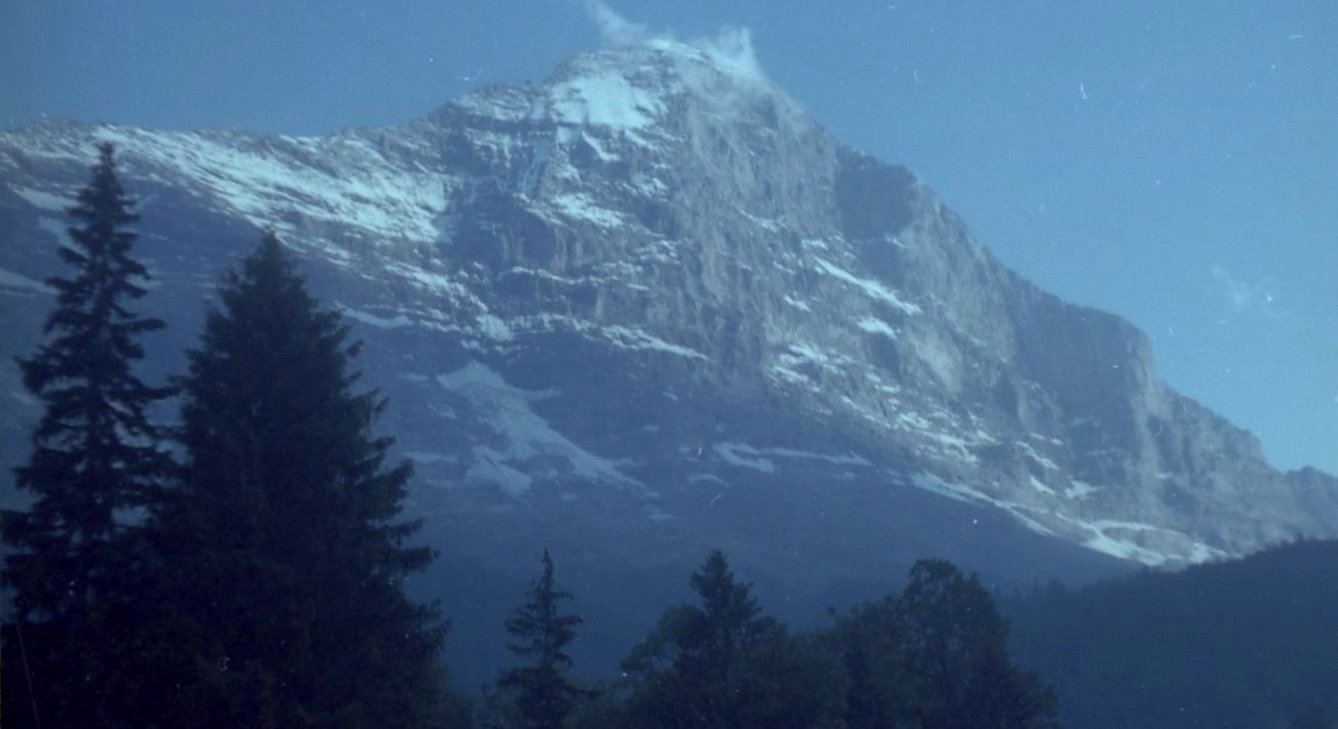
point(1117, 538)
point(652, 203)
point(342, 179)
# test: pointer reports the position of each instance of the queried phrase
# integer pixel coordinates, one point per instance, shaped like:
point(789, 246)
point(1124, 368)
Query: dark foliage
point(1312, 717)
point(1244, 643)
point(281, 553)
point(723, 664)
point(936, 657)
point(95, 459)
point(603, 708)
point(873, 652)
point(544, 695)
point(260, 583)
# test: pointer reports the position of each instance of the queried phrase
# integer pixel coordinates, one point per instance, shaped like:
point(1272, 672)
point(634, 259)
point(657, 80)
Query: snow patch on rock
point(873, 289)
point(603, 99)
point(520, 435)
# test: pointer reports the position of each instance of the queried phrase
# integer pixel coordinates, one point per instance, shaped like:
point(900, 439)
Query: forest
point(246, 567)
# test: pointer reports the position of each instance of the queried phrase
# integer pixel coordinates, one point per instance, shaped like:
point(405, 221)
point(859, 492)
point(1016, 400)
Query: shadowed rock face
point(647, 308)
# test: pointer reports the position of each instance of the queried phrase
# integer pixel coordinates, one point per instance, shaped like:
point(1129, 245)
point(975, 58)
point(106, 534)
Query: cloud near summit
point(614, 29)
point(731, 49)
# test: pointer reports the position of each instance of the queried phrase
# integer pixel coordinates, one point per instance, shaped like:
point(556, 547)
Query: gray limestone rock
point(648, 307)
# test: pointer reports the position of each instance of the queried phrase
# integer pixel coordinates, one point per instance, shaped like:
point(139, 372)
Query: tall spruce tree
point(95, 456)
point(545, 695)
point(283, 543)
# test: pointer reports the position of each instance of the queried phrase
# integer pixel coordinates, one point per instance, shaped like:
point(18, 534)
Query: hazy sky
point(1173, 162)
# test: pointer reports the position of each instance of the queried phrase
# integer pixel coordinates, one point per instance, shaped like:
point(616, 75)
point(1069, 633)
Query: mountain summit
point(648, 307)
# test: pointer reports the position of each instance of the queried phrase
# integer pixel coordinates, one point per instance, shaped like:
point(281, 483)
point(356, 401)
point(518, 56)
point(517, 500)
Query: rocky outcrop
point(648, 306)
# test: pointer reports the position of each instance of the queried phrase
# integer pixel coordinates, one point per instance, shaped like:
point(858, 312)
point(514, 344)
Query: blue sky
point(1167, 161)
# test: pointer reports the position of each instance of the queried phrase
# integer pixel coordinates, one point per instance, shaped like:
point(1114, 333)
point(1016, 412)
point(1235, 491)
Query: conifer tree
point(704, 642)
point(95, 456)
point(283, 544)
point(545, 694)
point(730, 615)
point(715, 665)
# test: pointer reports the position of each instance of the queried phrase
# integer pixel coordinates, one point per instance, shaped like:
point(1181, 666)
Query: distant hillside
point(1245, 643)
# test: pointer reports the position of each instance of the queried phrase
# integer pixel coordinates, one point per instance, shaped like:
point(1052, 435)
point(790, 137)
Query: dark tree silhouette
point(730, 616)
point(873, 651)
point(545, 695)
point(957, 655)
point(936, 656)
point(95, 456)
point(702, 643)
point(724, 664)
point(282, 545)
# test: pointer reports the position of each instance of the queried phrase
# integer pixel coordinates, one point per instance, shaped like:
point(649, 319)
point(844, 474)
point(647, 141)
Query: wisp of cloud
point(614, 29)
point(730, 51)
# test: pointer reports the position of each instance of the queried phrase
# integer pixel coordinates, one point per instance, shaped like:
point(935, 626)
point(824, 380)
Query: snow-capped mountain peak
point(651, 294)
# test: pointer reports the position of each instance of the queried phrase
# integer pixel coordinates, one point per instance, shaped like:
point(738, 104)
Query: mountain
point(1240, 643)
point(648, 307)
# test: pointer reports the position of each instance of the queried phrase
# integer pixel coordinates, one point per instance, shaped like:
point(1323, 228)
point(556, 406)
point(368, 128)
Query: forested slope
point(1244, 643)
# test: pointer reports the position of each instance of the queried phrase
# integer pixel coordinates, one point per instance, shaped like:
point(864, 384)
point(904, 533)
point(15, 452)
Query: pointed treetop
point(545, 695)
point(95, 451)
point(724, 598)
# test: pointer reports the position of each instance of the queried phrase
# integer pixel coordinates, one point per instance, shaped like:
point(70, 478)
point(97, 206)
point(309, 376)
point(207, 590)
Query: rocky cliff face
point(648, 307)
